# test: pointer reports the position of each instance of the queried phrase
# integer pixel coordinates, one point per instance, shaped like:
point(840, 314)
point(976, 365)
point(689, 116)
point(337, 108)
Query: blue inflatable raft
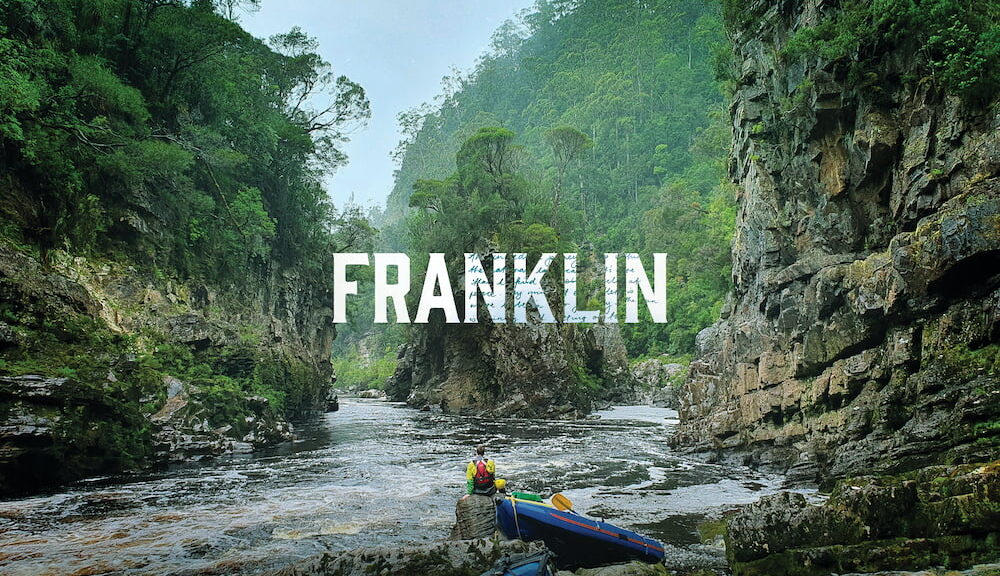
point(577, 541)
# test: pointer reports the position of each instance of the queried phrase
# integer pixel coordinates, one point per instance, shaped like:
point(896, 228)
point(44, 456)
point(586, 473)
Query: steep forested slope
point(606, 118)
point(634, 81)
point(162, 218)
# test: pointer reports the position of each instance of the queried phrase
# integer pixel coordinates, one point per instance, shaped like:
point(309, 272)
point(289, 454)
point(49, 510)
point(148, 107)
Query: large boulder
point(182, 431)
point(530, 370)
point(657, 382)
point(475, 517)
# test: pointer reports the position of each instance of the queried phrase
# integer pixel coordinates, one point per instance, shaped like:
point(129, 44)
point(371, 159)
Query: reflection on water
point(373, 473)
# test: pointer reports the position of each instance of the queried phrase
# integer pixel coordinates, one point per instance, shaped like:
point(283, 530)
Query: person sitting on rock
point(480, 474)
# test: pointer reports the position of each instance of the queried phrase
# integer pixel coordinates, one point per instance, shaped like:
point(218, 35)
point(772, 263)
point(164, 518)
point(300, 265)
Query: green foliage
point(613, 104)
point(104, 93)
point(960, 359)
point(18, 93)
point(741, 14)
point(958, 42)
point(478, 205)
point(364, 372)
point(534, 239)
point(585, 379)
point(164, 132)
point(711, 530)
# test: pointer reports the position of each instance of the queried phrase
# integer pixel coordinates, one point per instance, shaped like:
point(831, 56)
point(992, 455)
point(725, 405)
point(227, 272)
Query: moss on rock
point(936, 516)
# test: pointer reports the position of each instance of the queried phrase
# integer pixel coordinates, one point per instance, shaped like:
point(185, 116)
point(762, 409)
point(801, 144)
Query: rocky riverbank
point(461, 558)
point(863, 332)
point(939, 520)
point(474, 547)
point(106, 369)
point(657, 381)
point(939, 516)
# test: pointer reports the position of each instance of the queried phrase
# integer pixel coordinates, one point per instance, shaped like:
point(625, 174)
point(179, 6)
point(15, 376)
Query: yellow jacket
point(470, 473)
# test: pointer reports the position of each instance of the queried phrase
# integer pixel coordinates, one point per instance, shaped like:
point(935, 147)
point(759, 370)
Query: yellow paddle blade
point(561, 502)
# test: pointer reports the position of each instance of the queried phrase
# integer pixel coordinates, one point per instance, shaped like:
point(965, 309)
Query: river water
point(374, 473)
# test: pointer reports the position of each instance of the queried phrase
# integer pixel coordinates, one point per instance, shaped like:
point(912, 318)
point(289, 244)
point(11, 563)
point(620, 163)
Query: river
point(372, 473)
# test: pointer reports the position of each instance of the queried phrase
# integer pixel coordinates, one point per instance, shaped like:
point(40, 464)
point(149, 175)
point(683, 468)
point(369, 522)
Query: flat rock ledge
point(453, 558)
point(939, 517)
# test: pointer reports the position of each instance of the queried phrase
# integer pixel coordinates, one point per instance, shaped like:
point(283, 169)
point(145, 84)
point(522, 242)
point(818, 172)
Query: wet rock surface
point(939, 516)
point(28, 426)
point(475, 517)
point(458, 558)
point(532, 370)
point(112, 415)
point(630, 569)
point(182, 432)
point(372, 394)
point(40, 416)
point(657, 382)
point(862, 334)
point(461, 558)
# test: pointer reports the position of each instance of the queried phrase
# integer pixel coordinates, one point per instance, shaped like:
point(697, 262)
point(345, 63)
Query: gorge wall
point(164, 257)
point(107, 368)
point(862, 333)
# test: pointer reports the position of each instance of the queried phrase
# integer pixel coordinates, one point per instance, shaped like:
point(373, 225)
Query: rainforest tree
point(621, 141)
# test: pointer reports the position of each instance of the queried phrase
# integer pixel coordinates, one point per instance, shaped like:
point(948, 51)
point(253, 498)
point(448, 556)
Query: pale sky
point(398, 50)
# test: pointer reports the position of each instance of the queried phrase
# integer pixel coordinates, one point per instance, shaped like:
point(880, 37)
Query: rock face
point(117, 406)
point(27, 426)
point(463, 558)
point(475, 517)
point(530, 370)
point(939, 516)
point(862, 334)
point(657, 382)
point(629, 569)
point(182, 432)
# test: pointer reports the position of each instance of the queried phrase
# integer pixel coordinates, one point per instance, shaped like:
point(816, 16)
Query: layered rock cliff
point(936, 516)
point(91, 349)
point(531, 370)
point(862, 333)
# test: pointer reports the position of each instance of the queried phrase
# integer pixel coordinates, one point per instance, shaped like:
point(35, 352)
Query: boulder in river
point(372, 393)
point(531, 370)
point(182, 430)
point(475, 517)
point(657, 382)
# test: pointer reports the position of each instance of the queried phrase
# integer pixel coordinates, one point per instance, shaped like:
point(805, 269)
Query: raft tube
point(577, 541)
